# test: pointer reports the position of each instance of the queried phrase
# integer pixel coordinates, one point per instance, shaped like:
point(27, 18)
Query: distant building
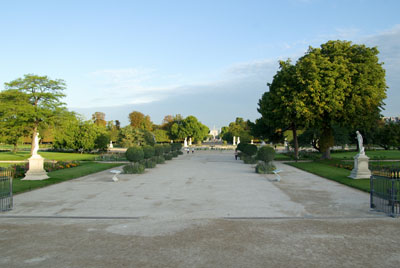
point(214, 132)
point(392, 119)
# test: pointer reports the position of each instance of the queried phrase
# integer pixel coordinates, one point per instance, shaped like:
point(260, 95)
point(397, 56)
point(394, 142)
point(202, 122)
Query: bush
point(135, 168)
point(134, 154)
point(247, 159)
point(249, 149)
point(148, 151)
point(176, 146)
point(180, 152)
point(265, 168)
point(167, 148)
point(174, 153)
point(168, 156)
point(241, 146)
point(158, 149)
point(101, 142)
point(150, 163)
point(266, 154)
point(160, 159)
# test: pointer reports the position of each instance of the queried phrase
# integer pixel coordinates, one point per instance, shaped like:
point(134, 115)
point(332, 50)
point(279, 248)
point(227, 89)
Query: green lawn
point(380, 154)
point(58, 176)
point(282, 157)
point(323, 169)
point(8, 156)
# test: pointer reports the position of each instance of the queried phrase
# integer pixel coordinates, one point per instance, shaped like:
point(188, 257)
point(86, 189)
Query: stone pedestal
point(360, 170)
point(36, 171)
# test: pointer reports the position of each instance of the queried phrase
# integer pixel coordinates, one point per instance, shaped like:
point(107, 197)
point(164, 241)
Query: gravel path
point(199, 210)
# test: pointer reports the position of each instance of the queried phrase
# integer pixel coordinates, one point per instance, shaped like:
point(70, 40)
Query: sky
point(211, 59)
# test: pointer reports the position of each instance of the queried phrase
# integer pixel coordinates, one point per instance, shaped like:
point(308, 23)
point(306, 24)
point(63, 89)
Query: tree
point(189, 127)
point(340, 83)
point(141, 121)
point(281, 107)
point(239, 128)
point(44, 95)
point(14, 108)
point(99, 119)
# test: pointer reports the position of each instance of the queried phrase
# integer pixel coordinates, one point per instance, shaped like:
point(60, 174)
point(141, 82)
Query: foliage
point(140, 121)
point(168, 156)
point(148, 151)
point(266, 154)
point(388, 135)
point(99, 119)
point(175, 153)
point(176, 146)
point(130, 136)
point(167, 148)
point(43, 100)
point(150, 163)
point(160, 159)
point(158, 149)
point(247, 159)
point(161, 135)
point(249, 149)
point(239, 128)
point(112, 130)
point(102, 141)
point(135, 168)
point(188, 127)
point(13, 116)
point(134, 154)
point(265, 168)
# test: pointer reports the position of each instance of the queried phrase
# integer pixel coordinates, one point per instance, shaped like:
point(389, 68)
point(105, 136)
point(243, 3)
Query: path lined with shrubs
point(198, 210)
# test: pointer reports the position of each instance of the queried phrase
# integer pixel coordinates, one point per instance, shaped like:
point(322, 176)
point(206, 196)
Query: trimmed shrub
point(241, 146)
point(247, 159)
point(148, 151)
point(265, 168)
point(167, 148)
point(176, 146)
point(266, 154)
point(168, 156)
point(174, 153)
point(134, 154)
point(160, 159)
point(158, 149)
point(150, 163)
point(249, 149)
point(180, 152)
point(135, 168)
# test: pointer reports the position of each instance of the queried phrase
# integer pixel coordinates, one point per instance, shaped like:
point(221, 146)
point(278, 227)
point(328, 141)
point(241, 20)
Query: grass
point(20, 186)
point(323, 169)
point(9, 156)
point(380, 154)
point(281, 157)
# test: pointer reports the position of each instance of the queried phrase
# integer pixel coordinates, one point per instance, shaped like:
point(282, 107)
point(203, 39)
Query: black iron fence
point(385, 190)
point(6, 197)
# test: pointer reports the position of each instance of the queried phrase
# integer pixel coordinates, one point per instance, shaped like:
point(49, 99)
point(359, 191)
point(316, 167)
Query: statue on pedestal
point(36, 163)
point(190, 141)
point(36, 140)
point(360, 143)
point(234, 140)
point(238, 140)
point(185, 143)
point(360, 170)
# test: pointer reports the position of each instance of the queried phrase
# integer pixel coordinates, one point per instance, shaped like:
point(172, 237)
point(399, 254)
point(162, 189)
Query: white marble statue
point(185, 143)
point(190, 141)
point(234, 140)
point(251, 142)
point(36, 144)
point(360, 143)
point(111, 145)
point(238, 140)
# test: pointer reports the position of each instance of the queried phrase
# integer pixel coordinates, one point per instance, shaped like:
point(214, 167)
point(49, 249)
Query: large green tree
point(44, 95)
point(238, 128)
point(340, 83)
point(14, 116)
point(188, 127)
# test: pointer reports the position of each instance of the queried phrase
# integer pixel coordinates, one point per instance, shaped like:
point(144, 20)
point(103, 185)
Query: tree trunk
point(296, 143)
point(326, 142)
point(33, 137)
point(15, 148)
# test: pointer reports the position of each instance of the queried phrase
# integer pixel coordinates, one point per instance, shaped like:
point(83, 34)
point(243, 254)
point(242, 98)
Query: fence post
point(371, 192)
point(392, 195)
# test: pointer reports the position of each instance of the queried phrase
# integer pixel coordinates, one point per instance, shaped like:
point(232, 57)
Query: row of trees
point(33, 104)
point(339, 85)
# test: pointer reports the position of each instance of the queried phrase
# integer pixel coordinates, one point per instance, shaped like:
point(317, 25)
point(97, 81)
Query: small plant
point(168, 156)
point(167, 148)
point(174, 154)
point(265, 168)
point(148, 151)
point(176, 146)
point(248, 159)
point(160, 159)
point(249, 149)
point(158, 149)
point(135, 168)
point(134, 154)
point(150, 163)
point(266, 154)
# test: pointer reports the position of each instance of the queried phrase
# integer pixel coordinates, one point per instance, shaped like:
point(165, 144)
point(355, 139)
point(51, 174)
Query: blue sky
point(211, 59)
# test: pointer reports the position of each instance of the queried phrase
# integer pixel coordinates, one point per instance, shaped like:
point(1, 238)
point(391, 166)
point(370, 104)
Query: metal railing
point(385, 190)
point(6, 197)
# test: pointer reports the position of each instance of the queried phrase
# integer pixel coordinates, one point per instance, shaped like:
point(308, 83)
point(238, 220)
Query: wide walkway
point(199, 210)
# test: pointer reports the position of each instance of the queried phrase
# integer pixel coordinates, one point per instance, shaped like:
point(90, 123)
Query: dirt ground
point(200, 210)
